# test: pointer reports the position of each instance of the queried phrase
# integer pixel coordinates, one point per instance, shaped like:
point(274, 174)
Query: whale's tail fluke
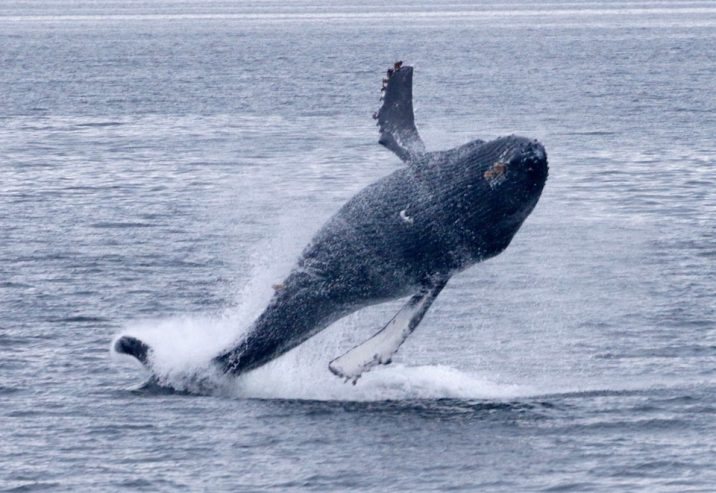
point(132, 346)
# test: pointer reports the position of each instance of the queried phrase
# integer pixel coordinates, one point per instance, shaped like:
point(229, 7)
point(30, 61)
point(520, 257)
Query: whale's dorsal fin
point(379, 349)
point(395, 117)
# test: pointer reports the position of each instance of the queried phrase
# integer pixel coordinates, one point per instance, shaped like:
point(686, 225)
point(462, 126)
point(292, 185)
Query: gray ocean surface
point(163, 163)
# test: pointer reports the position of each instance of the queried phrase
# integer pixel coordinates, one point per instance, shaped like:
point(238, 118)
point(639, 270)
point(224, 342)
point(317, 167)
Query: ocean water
point(163, 163)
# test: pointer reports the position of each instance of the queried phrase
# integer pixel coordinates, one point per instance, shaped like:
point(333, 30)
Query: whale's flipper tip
point(132, 346)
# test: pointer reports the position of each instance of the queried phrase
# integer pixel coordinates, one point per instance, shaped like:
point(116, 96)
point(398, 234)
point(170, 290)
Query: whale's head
point(516, 175)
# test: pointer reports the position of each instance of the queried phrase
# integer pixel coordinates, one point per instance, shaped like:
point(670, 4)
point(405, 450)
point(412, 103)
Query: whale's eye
point(496, 174)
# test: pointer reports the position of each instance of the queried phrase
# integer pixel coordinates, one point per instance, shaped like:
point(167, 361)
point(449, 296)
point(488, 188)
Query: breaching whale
point(404, 235)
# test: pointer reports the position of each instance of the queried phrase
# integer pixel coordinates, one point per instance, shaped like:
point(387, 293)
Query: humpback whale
point(404, 235)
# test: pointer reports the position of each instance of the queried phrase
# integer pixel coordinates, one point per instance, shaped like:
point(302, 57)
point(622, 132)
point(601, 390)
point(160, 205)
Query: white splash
point(284, 380)
point(183, 348)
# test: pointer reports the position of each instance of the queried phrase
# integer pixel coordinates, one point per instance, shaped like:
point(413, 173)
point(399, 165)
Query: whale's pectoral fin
point(395, 117)
point(379, 349)
point(131, 346)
